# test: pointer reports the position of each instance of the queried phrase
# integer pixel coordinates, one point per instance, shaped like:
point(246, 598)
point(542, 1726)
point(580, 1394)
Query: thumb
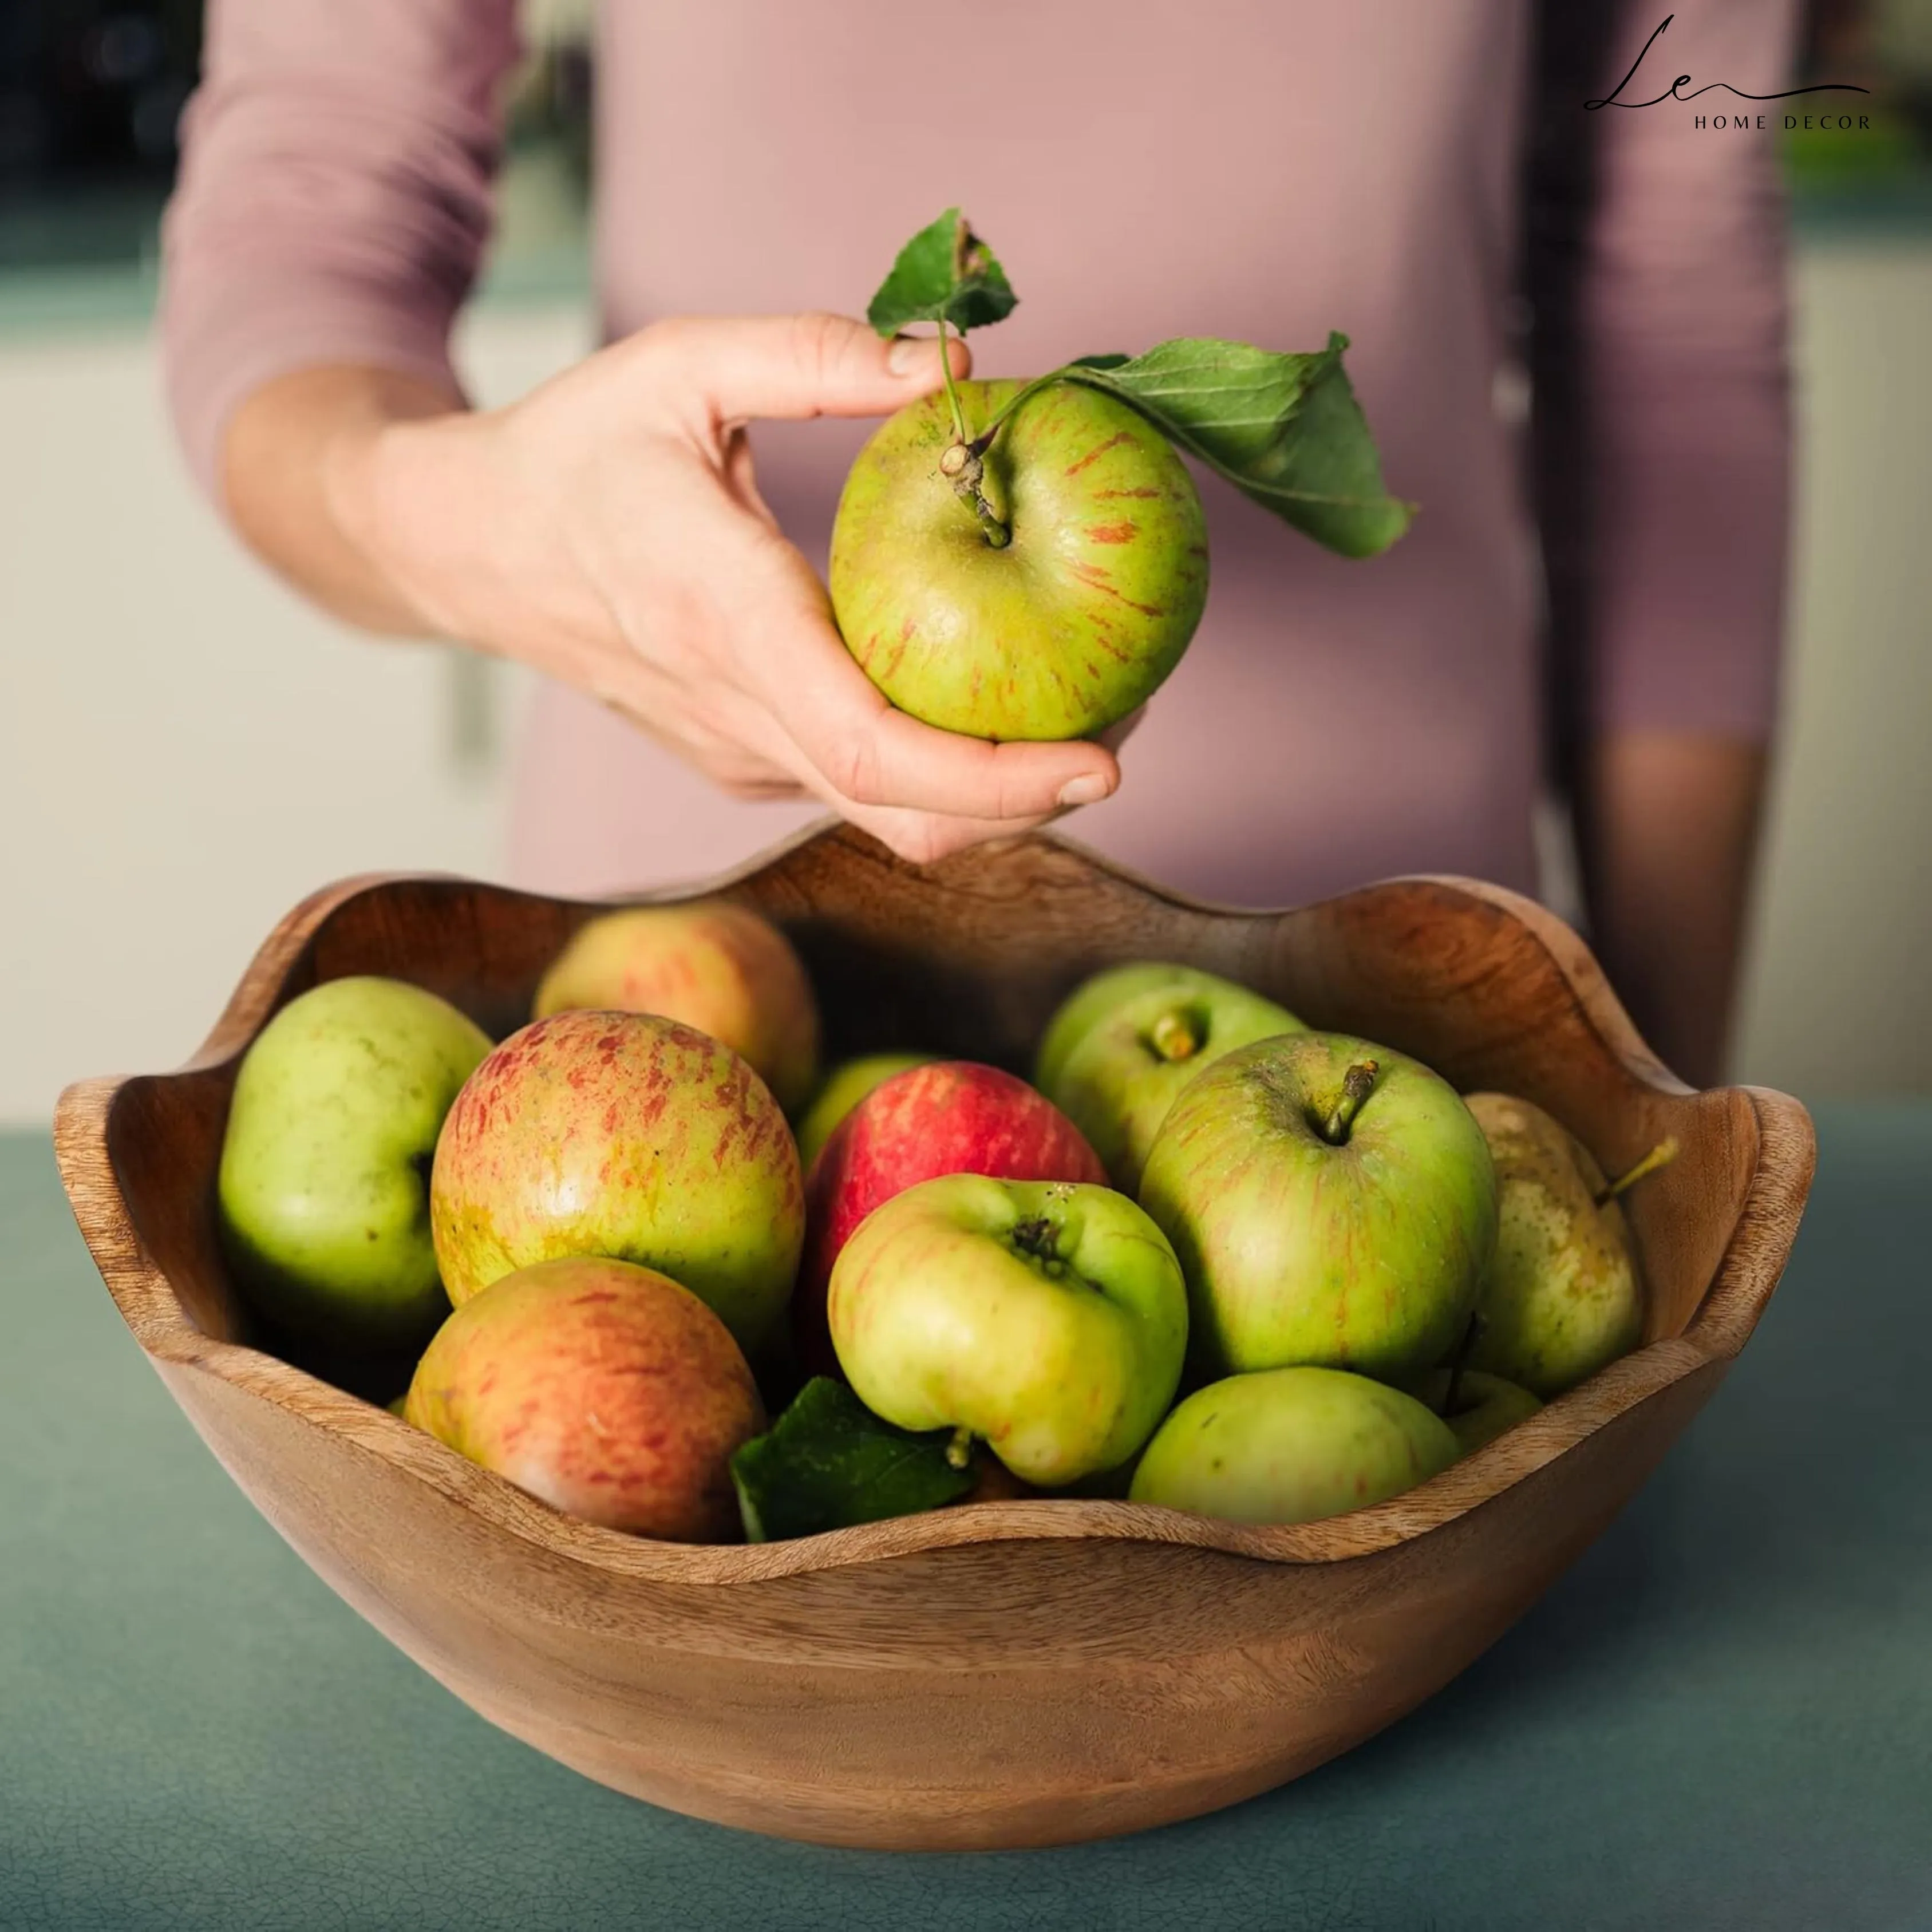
point(797, 366)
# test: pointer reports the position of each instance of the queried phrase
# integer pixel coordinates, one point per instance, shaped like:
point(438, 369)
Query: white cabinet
point(185, 748)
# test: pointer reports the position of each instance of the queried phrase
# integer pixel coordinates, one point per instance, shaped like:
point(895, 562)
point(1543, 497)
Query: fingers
point(924, 838)
point(870, 755)
point(797, 366)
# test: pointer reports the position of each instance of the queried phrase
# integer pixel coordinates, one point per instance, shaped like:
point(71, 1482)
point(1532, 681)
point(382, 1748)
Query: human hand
point(608, 530)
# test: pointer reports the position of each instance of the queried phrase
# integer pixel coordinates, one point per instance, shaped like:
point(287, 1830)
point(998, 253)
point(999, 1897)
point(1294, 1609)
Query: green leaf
point(944, 271)
point(829, 1462)
point(1286, 429)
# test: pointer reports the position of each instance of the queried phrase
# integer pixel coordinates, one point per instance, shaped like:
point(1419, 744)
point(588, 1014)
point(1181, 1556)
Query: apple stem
point(963, 462)
point(1661, 1155)
point(1472, 1329)
point(1175, 1036)
point(968, 473)
point(959, 1451)
point(1357, 1084)
point(959, 429)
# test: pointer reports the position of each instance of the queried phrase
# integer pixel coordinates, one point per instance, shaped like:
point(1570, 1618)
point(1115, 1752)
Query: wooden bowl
point(1010, 1673)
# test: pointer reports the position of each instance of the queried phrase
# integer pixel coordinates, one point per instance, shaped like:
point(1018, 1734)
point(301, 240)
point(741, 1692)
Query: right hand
point(608, 530)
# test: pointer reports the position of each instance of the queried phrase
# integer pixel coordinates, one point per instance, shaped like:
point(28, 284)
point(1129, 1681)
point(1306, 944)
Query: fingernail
point(1089, 790)
point(912, 354)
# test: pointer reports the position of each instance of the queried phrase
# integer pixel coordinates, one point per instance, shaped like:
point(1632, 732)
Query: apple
point(1121, 1076)
point(1094, 998)
point(1562, 1298)
point(720, 968)
point(1332, 1201)
point(1058, 633)
point(1481, 1406)
point(947, 1117)
point(605, 1389)
point(845, 1086)
point(323, 1182)
point(1048, 1318)
point(1291, 1445)
point(628, 1135)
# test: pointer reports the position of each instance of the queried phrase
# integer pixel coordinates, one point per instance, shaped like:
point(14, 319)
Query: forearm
point(1668, 826)
point(294, 465)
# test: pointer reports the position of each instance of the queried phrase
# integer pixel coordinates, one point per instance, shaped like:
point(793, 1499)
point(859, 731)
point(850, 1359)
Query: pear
point(1561, 1297)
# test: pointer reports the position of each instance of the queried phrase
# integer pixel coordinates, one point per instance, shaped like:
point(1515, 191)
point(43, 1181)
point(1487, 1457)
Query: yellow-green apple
point(947, 1117)
point(1058, 630)
point(1332, 1201)
point(324, 1181)
point(1291, 1445)
point(604, 1388)
point(845, 1086)
point(1047, 1318)
point(629, 1136)
point(1094, 998)
point(1477, 1407)
point(1129, 1067)
point(1562, 1298)
point(716, 966)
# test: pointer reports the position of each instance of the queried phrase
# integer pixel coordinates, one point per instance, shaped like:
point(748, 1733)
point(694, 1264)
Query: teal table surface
point(1722, 1716)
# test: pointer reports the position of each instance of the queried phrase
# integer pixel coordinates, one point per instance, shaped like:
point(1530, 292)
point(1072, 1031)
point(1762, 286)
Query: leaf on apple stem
point(944, 273)
point(1286, 429)
point(829, 1463)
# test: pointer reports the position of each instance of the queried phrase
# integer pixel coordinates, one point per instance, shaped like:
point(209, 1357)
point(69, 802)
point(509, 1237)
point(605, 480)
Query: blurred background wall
point(185, 750)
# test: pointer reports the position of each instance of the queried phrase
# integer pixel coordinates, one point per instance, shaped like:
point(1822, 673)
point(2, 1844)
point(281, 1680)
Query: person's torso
point(1251, 169)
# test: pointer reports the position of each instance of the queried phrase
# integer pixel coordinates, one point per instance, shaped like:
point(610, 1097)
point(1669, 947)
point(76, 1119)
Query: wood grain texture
point(1013, 1673)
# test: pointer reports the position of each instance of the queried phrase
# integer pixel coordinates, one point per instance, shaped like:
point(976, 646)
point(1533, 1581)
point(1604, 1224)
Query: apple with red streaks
point(722, 968)
point(628, 1135)
point(951, 1116)
point(1057, 618)
point(605, 1389)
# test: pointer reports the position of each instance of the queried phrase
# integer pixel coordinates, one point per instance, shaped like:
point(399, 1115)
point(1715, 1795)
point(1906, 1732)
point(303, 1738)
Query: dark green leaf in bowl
point(829, 1462)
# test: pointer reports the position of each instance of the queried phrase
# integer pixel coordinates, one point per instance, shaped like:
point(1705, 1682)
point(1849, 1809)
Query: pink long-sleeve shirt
point(1266, 169)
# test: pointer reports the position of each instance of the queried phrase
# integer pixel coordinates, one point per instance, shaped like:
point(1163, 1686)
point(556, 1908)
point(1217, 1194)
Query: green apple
point(1479, 1407)
point(845, 1086)
point(1290, 1445)
point(1060, 631)
point(1331, 1201)
point(323, 1189)
point(1561, 1297)
point(1097, 996)
point(1049, 1318)
point(1121, 1076)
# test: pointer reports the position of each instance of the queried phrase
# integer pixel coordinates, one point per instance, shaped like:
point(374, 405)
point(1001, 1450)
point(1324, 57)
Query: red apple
point(606, 1389)
point(720, 968)
point(951, 1116)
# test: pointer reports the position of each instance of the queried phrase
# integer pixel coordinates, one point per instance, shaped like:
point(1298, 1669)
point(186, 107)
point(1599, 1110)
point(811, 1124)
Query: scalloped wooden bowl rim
point(1745, 1278)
